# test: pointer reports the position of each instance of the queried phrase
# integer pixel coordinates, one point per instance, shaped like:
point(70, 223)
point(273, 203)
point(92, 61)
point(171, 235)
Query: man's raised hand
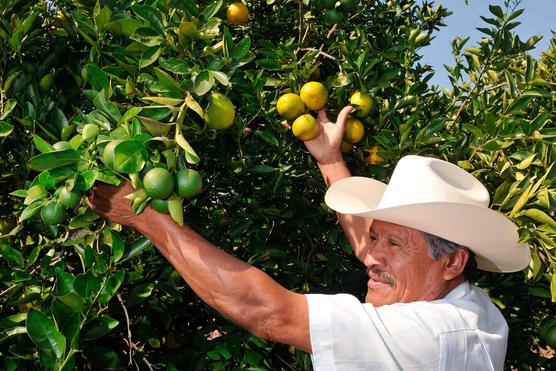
point(326, 146)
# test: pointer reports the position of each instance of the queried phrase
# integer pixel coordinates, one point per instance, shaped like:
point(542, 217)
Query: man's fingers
point(343, 116)
point(322, 116)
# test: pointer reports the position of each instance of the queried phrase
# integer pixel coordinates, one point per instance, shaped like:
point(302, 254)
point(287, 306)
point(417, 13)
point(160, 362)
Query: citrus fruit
point(346, 147)
point(220, 112)
point(348, 5)
point(314, 95)
point(237, 13)
point(334, 16)
point(69, 198)
point(61, 145)
point(53, 213)
point(305, 127)
point(108, 153)
point(354, 131)
point(290, 106)
point(362, 102)
point(161, 206)
point(158, 183)
point(46, 82)
point(90, 131)
point(188, 28)
point(189, 183)
point(373, 158)
point(6, 225)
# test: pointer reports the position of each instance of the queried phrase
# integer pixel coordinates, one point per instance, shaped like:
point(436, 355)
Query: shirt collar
point(459, 291)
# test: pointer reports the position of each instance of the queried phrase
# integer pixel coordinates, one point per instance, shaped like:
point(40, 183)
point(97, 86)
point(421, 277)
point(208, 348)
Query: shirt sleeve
point(348, 335)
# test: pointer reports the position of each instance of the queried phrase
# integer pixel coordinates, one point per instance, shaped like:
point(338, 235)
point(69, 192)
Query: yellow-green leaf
point(164, 100)
point(190, 154)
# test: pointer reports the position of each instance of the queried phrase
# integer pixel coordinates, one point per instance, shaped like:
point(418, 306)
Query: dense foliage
point(86, 293)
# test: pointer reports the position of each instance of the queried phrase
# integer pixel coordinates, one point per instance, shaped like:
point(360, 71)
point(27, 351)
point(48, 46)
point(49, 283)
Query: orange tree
point(120, 90)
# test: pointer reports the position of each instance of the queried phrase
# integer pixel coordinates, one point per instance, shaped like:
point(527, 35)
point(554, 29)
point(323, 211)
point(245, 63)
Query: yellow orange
point(290, 106)
point(314, 95)
point(305, 127)
point(362, 102)
point(354, 131)
point(237, 13)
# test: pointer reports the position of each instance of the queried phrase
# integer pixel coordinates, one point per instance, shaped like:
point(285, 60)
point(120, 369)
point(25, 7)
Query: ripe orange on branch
point(305, 127)
point(314, 95)
point(290, 106)
point(220, 112)
point(354, 131)
point(237, 13)
point(362, 102)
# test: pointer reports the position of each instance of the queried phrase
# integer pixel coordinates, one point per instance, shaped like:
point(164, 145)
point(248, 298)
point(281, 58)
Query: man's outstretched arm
point(326, 150)
point(242, 293)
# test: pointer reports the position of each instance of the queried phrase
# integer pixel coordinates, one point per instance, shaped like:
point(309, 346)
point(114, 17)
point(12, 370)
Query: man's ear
point(454, 264)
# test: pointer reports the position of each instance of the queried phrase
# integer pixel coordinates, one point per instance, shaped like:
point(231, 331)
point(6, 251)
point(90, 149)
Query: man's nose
point(376, 255)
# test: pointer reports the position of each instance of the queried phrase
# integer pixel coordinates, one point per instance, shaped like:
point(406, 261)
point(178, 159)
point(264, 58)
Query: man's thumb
point(343, 116)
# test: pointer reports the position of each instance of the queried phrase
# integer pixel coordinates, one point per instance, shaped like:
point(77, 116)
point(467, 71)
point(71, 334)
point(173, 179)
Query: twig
point(8, 289)
point(320, 52)
point(130, 344)
point(332, 30)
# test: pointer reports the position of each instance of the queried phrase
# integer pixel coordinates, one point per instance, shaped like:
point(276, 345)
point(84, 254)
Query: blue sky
point(539, 18)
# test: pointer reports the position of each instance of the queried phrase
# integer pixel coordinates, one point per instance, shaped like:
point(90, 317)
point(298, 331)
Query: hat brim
point(490, 235)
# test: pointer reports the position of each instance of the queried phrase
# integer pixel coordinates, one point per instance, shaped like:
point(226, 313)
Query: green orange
point(69, 198)
point(220, 112)
point(189, 183)
point(161, 206)
point(53, 213)
point(158, 183)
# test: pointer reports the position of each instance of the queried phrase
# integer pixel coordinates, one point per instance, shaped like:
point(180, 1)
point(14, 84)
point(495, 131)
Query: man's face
point(400, 268)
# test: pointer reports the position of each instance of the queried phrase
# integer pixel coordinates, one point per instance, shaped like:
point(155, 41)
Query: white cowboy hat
point(439, 198)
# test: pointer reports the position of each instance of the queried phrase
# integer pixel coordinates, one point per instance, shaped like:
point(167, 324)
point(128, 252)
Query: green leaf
point(97, 78)
point(147, 36)
point(97, 328)
point(137, 247)
point(175, 65)
point(165, 101)
point(5, 129)
point(52, 160)
point(128, 156)
point(111, 287)
point(150, 15)
point(193, 105)
point(140, 293)
point(42, 145)
point(124, 26)
point(11, 255)
point(149, 56)
point(44, 333)
point(8, 108)
point(103, 358)
point(539, 216)
point(64, 282)
point(537, 92)
point(117, 247)
point(30, 210)
point(268, 137)
point(496, 10)
point(102, 18)
point(72, 301)
point(190, 154)
point(86, 284)
point(203, 82)
point(176, 209)
point(241, 49)
point(211, 10)
point(553, 287)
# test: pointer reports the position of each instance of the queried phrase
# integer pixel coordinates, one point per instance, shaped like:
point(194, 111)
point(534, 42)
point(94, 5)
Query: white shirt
point(462, 331)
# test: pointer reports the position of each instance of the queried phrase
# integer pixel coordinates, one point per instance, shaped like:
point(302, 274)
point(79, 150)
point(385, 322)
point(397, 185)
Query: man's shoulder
point(467, 307)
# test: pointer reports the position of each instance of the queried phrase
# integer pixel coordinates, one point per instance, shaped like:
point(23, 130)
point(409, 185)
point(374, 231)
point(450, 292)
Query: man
point(418, 238)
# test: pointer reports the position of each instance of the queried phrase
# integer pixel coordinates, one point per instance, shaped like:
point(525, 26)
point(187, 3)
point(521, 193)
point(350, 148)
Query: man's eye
point(393, 243)
point(373, 237)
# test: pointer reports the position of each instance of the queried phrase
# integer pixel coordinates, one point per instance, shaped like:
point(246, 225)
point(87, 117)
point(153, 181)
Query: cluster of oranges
point(313, 96)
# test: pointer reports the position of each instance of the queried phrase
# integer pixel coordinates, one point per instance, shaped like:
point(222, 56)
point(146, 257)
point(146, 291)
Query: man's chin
point(380, 296)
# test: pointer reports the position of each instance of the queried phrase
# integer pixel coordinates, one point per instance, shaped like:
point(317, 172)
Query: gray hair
point(439, 247)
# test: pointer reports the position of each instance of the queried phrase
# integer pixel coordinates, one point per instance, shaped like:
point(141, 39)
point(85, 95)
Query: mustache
point(382, 275)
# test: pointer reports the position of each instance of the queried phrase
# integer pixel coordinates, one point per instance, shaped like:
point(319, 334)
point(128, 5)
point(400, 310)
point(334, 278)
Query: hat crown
point(425, 180)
